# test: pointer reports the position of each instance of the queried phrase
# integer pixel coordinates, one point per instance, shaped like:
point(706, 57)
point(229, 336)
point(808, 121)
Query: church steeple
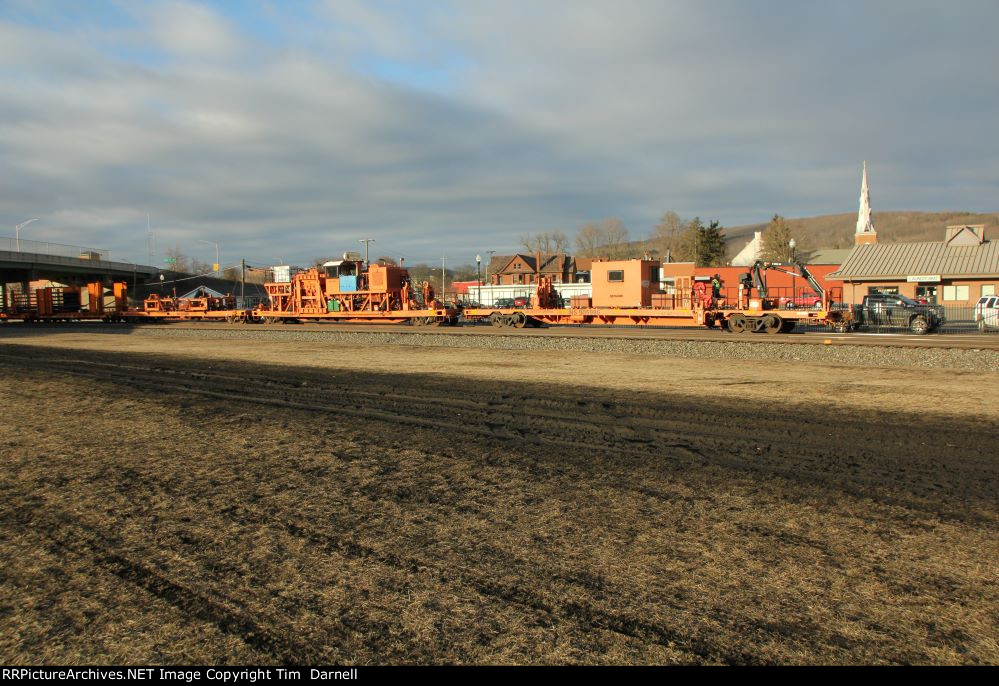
point(865, 235)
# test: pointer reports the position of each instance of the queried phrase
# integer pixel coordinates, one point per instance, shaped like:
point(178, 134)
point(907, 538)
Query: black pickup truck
point(897, 311)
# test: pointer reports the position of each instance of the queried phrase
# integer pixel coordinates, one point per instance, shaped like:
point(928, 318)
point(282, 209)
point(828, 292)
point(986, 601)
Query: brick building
point(521, 269)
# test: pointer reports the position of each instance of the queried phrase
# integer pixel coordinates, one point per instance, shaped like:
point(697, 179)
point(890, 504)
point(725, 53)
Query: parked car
point(892, 310)
point(987, 312)
point(804, 300)
point(503, 304)
point(522, 301)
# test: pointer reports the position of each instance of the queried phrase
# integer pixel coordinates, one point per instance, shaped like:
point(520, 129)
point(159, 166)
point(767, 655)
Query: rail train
point(349, 290)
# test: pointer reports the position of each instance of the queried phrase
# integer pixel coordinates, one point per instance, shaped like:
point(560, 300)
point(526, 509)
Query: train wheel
point(496, 319)
point(518, 320)
point(772, 323)
point(736, 323)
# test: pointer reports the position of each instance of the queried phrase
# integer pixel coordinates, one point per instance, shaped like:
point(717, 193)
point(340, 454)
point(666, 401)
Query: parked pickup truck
point(897, 311)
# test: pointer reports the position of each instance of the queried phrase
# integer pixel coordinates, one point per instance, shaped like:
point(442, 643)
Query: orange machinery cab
point(348, 286)
point(624, 283)
point(349, 276)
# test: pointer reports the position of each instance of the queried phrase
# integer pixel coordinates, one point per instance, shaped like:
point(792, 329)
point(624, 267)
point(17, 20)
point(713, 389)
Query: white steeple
point(865, 226)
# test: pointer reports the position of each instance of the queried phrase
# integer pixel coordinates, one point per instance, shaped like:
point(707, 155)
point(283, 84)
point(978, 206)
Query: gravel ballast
point(834, 354)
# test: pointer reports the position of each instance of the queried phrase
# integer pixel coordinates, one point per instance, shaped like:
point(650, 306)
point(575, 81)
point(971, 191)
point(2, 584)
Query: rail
point(12, 244)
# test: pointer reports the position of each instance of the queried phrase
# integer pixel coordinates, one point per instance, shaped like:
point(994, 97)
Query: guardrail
point(12, 244)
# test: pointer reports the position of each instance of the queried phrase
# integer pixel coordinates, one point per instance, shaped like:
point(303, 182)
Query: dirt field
point(167, 501)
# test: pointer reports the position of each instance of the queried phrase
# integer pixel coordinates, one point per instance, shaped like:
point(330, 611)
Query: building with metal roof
point(956, 271)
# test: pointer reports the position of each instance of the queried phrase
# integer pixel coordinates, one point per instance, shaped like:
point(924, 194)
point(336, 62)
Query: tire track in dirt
point(264, 634)
point(388, 405)
point(208, 605)
point(634, 430)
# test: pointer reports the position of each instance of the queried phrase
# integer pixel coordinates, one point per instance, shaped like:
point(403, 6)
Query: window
point(955, 293)
point(615, 275)
point(989, 289)
point(517, 266)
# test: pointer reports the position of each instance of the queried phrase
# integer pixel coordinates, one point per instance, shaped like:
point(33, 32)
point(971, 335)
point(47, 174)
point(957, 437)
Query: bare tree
point(560, 242)
point(180, 260)
point(545, 242)
point(615, 237)
point(665, 236)
point(589, 239)
point(199, 267)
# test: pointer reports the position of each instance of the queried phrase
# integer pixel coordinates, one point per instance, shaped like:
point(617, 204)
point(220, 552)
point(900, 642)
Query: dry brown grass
point(195, 511)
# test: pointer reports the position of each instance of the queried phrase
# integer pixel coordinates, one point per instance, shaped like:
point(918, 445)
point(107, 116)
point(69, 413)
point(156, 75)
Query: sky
point(289, 130)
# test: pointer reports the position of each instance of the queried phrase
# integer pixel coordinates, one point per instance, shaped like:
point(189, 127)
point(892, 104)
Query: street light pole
point(217, 264)
point(478, 278)
point(366, 241)
point(791, 244)
point(17, 231)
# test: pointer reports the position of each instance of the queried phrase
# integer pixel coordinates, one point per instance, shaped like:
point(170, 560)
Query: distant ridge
point(836, 230)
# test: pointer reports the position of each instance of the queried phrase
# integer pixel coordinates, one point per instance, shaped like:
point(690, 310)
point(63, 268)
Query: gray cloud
point(457, 127)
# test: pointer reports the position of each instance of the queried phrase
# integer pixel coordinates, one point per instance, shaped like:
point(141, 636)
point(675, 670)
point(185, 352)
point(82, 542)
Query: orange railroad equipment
point(348, 291)
point(65, 303)
point(201, 308)
point(627, 292)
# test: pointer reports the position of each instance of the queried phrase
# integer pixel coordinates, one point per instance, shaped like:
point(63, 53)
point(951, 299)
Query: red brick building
point(521, 269)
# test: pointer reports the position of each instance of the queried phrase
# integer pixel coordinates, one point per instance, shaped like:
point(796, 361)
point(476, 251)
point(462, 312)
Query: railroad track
point(963, 341)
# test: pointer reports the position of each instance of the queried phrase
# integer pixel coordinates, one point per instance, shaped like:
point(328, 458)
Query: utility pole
point(443, 276)
point(242, 284)
point(366, 241)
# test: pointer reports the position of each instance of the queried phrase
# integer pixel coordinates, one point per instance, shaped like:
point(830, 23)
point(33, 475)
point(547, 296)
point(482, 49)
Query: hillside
point(836, 230)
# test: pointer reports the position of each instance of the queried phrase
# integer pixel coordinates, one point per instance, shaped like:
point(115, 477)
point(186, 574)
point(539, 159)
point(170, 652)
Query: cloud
point(458, 126)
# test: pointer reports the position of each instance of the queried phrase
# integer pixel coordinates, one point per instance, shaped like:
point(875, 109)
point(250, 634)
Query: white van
point(987, 312)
